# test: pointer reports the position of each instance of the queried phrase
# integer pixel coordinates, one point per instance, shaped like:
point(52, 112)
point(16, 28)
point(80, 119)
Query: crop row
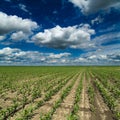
point(47, 96)
point(108, 98)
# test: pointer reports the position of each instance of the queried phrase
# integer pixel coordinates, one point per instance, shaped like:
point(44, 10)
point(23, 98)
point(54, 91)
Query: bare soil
point(29, 104)
point(65, 109)
point(84, 113)
point(49, 104)
point(102, 112)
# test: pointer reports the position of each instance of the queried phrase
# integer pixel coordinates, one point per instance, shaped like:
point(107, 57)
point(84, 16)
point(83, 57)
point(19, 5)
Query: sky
point(60, 32)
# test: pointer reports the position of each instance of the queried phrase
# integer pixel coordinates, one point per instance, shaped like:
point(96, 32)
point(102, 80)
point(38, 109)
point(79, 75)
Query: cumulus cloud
point(57, 56)
point(105, 56)
point(61, 38)
point(61, 58)
point(12, 23)
point(115, 57)
point(2, 37)
point(8, 51)
point(14, 56)
point(18, 36)
point(92, 6)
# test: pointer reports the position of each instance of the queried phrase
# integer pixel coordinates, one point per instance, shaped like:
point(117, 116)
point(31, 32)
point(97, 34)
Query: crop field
point(59, 93)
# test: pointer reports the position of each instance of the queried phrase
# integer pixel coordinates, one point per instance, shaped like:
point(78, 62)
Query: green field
point(59, 93)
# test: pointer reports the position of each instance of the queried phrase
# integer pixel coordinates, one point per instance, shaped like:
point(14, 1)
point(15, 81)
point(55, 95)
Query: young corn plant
point(91, 94)
point(24, 100)
point(73, 115)
point(5, 113)
point(65, 92)
point(36, 93)
point(109, 100)
point(26, 114)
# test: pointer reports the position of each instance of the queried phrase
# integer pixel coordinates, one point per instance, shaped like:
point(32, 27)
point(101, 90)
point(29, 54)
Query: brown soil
point(67, 105)
point(84, 113)
point(7, 100)
point(49, 104)
point(102, 112)
point(29, 104)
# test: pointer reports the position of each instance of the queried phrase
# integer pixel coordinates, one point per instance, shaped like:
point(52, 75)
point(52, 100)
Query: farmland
point(59, 93)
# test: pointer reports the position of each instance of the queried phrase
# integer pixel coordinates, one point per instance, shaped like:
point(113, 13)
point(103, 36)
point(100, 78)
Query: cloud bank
point(104, 56)
point(108, 55)
point(15, 56)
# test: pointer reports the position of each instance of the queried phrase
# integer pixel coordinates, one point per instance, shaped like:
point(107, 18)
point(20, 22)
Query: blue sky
point(60, 32)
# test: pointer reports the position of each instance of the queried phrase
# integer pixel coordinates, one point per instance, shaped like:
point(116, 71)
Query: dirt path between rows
point(49, 104)
point(102, 111)
point(101, 108)
point(65, 109)
point(7, 99)
point(84, 113)
point(30, 104)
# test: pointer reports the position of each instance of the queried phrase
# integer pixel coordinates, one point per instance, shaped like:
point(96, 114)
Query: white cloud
point(107, 38)
point(112, 28)
point(97, 20)
point(24, 8)
point(92, 6)
point(92, 57)
point(8, 51)
point(57, 56)
point(60, 38)
point(2, 38)
point(105, 56)
point(18, 36)
point(12, 23)
point(14, 56)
